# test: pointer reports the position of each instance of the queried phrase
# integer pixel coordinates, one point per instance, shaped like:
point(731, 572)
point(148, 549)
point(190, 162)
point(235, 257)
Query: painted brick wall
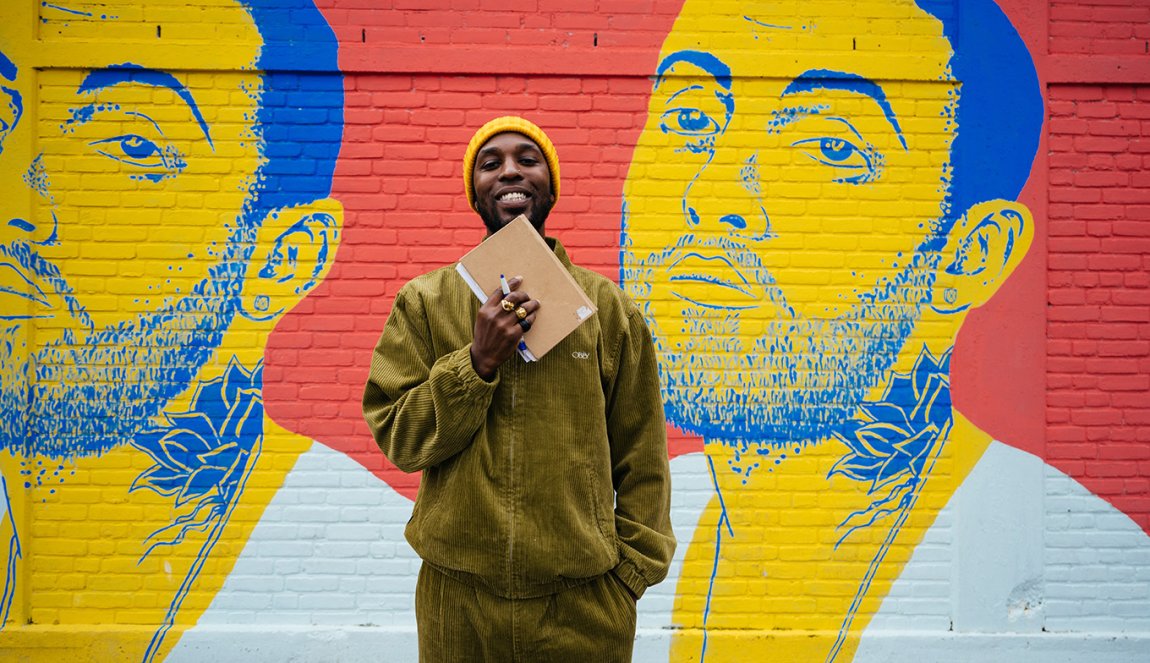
point(1099, 287)
point(1026, 534)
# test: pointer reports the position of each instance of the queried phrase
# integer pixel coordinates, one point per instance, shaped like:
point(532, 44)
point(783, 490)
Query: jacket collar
point(560, 252)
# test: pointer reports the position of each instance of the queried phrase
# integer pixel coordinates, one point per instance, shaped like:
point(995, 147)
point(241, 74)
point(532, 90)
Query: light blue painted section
point(1023, 564)
point(328, 575)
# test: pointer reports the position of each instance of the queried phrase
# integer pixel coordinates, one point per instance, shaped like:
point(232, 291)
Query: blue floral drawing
point(202, 454)
point(892, 441)
point(893, 445)
point(203, 458)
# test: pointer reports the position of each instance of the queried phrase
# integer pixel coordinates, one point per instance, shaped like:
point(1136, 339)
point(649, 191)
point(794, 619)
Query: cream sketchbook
point(518, 250)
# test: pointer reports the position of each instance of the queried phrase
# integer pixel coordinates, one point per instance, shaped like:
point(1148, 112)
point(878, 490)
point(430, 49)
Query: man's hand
point(497, 331)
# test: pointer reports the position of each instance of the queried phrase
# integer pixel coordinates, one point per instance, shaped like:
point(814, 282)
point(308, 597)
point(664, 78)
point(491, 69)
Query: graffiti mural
point(806, 227)
point(162, 218)
point(874, 241)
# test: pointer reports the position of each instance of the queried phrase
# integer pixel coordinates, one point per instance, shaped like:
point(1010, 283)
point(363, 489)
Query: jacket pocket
point(600, 510)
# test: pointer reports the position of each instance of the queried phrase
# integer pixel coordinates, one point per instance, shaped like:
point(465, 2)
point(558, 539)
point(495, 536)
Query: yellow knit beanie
point(512, 124)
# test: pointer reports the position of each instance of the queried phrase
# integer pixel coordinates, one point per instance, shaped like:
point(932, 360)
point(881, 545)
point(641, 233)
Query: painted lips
point(712, 281)
point(20, 296)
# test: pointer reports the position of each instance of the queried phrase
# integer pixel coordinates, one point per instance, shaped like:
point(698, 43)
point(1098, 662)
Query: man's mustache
point(44, 275)
point(737, 253)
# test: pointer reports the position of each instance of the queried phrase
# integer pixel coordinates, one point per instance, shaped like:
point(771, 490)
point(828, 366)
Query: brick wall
point(1097, 321)
point(1031, 547)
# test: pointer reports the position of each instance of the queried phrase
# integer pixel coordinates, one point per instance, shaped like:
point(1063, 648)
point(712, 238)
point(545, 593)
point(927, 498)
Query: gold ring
point(520, 312)
point(507, 306)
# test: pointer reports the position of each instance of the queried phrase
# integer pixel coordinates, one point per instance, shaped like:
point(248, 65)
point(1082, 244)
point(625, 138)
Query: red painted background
point(1058, 363)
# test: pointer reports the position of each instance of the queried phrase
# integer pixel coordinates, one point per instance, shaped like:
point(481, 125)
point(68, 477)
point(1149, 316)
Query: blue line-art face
point(121, 277)
point(787, 203)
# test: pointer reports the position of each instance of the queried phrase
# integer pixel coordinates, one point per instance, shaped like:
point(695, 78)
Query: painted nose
point(727, 198)
point(11, 110)
point(20, 218)
point(731, 221)
point(15, 142)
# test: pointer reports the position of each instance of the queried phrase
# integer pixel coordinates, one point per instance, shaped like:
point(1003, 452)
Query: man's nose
point(16, 208)
point(20, 171)
point(11, 110)
point(509, 170)
point(727, 197)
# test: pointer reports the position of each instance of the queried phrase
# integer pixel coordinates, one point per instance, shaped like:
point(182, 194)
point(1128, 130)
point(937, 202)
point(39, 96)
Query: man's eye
point(857, 165)
point(131, 149)
point(688, 122)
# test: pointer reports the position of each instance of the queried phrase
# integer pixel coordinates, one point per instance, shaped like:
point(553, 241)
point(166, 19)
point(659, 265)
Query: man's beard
point(494, 224)
point(796, 381)
point(91, 390)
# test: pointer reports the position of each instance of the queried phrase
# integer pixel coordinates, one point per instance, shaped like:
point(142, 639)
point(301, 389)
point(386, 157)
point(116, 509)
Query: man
point(839, 192)
point(542, 515)
point(162, 221)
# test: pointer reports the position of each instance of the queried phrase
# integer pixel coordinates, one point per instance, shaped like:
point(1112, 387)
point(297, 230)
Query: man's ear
point(294, 250)
point(983, 248)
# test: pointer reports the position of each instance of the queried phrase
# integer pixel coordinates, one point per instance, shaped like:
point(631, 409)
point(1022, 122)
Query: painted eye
point(688, 122)
point(856, 165)
point(131, 149)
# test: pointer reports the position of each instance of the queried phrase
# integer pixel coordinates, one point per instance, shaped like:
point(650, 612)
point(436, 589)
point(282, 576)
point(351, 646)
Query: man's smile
point(512, 197)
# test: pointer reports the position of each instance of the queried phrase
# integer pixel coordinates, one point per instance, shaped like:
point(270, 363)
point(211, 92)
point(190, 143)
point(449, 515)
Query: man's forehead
point(508, 140)
point(884, 38)
point(155, 35)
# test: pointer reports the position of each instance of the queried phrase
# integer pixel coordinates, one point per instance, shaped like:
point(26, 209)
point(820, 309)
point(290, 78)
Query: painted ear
point(293, 253)
point(984, 248)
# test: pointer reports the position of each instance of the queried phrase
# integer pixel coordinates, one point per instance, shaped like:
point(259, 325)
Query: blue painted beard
point(91, 390)
point(797, 381)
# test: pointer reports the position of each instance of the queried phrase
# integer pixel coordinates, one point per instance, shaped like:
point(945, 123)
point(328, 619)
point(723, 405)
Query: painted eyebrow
point(705, 61)
point(8, 68)
point(826, 79)
point(99, 79)
point(689, 88)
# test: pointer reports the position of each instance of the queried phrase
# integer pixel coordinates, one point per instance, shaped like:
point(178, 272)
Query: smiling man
point(543, 510)
point(816, 202)
point(163, 220)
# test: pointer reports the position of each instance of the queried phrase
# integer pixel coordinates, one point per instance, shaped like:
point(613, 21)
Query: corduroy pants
point(459, 623)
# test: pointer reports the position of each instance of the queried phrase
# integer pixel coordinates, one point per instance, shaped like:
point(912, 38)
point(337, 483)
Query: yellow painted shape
point(759, 211)
point(781, 589)
point(139, 205)
point(88, 571)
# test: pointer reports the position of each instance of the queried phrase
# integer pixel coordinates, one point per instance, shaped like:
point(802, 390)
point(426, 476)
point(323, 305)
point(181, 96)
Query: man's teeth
point(513, 197)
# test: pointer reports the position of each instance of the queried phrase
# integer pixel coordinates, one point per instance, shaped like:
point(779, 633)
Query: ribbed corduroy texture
point(517, 494)
point(592, 622)
point(513, 124)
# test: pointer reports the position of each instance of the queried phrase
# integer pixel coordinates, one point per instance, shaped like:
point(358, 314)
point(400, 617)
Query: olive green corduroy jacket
point(553, 473)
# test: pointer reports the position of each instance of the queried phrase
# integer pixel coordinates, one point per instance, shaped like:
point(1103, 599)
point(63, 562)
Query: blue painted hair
point(300, 116)
point(999, 112)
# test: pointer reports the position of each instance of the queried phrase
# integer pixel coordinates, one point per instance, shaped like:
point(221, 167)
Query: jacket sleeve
point(640, 471)
point(421, 409)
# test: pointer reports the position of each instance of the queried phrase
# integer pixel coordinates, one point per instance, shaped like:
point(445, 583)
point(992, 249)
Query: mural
point(837, 217)
point(806, 228)
point(174, 216)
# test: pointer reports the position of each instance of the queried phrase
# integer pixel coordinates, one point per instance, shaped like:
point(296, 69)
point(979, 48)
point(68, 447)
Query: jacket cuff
point(459, 363)
point(627, 572)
